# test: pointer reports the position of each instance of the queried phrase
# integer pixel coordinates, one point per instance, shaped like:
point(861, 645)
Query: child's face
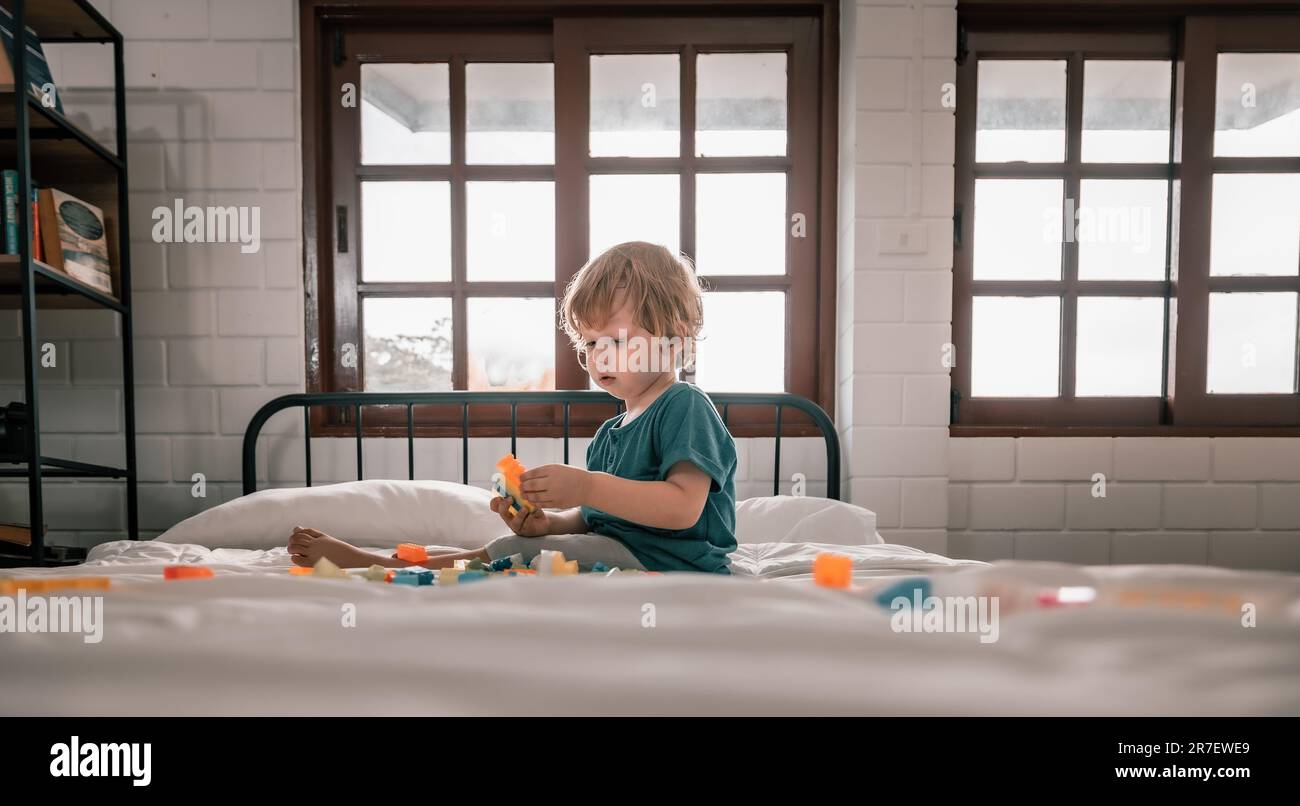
point(623, 358)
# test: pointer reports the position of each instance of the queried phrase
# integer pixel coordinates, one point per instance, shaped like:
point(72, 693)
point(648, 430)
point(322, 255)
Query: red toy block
point(186, 572)
point(412, 553)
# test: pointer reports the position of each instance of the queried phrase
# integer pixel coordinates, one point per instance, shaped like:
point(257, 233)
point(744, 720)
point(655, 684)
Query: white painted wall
point(213, 114)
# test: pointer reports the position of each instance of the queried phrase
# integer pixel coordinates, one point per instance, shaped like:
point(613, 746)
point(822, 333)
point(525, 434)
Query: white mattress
point(255, 640)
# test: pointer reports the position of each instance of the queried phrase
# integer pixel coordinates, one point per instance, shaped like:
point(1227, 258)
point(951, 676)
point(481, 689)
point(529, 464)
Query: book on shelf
point(75, 239)
point(17, 533)
point(10, 190)
point(40, 81)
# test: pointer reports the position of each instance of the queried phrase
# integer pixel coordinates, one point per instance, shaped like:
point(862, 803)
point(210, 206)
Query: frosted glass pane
point(740, 104)
point(511, 343)
point(510, 113)
point(1255, 225)
point(405, 114)
point(1257, 105)
point(634, 207)
point(1119, 351)
point(511, 230)
point(635, 106)
point(405, 231)
point(1252, 343)
point(740, 223)
point(1120, 227)
point(743, 343)
point(1125, 111)
point(1018, 229)
point(408, 344)
point(1020, 111)
point(1015, 346)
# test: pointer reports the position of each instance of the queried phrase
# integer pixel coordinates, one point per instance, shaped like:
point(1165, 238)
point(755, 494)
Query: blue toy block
point(471, 576)
point(406, 579)
point(424, 577)
point(502, 564)
point(905, 588)
point(598, 567)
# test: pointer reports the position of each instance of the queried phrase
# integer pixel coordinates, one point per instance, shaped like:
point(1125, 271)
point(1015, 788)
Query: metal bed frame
point(357, 400)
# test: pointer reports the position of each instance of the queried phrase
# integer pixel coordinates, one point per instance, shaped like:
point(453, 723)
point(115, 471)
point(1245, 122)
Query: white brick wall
point(1167, 500)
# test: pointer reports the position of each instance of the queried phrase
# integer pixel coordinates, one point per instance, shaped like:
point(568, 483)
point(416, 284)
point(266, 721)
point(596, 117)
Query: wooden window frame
point(1185, 409)
point(532, 31)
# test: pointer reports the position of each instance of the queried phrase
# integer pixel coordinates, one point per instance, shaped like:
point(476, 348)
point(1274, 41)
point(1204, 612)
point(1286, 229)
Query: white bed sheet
point(255, 640)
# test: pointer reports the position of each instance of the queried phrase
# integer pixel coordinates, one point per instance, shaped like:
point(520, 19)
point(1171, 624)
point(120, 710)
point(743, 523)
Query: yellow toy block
point(507, 485)
point(448, 576)
point(327, 569)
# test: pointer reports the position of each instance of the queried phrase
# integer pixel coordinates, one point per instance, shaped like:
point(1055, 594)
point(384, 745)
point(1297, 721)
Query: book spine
point(11, 211)
point(38, 253)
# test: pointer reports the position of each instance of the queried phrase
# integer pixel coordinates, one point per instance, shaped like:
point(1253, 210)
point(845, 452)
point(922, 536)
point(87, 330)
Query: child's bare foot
point(306, 546)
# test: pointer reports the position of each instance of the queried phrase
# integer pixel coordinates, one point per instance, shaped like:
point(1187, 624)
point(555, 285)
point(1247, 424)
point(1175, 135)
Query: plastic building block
point(545, 561)
point(300, 571)
point(425, 577)
point(907, 589)
point(375, 573)
point(833, 570)
point(186, 572)
point(598, 567)
point(389, 574)
point(406, 579)
point(461, 565)
point(449, 576)
point(471, 576)
point(412, 553)
point(564, 569)
point(502, 564)
point(475, 565)
point(1059, 597)
point(507, 485)
point(327, 569)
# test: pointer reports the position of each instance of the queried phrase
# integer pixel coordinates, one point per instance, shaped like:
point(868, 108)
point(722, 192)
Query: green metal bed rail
point(566, 398)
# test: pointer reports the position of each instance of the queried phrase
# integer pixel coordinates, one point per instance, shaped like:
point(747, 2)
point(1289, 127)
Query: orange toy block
point(186, 572)
point(507, 484)
point(833, 570)
point(299, 570)
point(412, 553)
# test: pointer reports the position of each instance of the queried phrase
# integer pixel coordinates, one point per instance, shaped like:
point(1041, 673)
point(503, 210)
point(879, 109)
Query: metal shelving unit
point(41, 143)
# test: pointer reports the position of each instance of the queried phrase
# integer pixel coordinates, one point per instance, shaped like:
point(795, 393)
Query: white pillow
point(799, 519)
point(377, 513)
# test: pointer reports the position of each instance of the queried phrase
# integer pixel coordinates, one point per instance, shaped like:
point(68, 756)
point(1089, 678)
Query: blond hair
point(661, 289)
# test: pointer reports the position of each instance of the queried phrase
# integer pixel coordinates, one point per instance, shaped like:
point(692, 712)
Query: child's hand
point(557, 486)
point(524, 524)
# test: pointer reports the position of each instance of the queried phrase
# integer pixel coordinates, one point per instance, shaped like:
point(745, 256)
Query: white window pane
point(740, 104)
point(1120, 346)
point(1255, 225)
point(1257, 105)
point(743, 343)
point(1020, 111)
point(510, 113)
point(635, 106)
point(634, 207)
point(1252, 343)
point(1125, 111)
point(511, 343)
point(408, 344)
point(1120, 227)
point(510, 230)
point(740, 223)
point(1015, 347)
point(405, 231)
point(405, 114)
point(1018, 229)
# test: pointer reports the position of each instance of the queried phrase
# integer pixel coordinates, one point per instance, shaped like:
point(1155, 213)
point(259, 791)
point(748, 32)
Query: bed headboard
point(565, 398)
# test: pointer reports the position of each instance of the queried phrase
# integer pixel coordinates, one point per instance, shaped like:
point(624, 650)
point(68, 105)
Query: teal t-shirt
point(680, 425)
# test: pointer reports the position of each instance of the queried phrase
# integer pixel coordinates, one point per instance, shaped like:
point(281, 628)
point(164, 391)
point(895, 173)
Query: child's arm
point(566, 522)
point(674, 503)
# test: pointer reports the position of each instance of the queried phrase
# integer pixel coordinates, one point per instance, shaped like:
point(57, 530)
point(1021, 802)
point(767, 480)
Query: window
point(482, 165)
point(1127, 230)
